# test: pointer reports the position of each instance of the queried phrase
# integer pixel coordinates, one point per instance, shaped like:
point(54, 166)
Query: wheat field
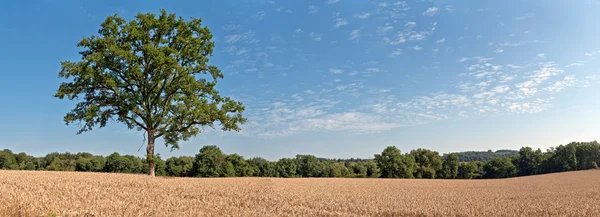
point(44, 193)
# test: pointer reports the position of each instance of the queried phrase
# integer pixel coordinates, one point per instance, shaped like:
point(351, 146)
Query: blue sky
point(335, 78)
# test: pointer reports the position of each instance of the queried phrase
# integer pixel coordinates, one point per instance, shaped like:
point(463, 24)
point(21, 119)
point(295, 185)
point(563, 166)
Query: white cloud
point(298, 31)
point(525, 16)
point(241, 51)
point(541, 56)
point(363, 15)
point(313, 9)
point(340, 22)
point(449, 8)
point(441, 40)
point(335, 71)
point(417, 48)
point(355, 34)
point(559, 86)
point(332, 1)
point(396, 52)
point(463, 59)
point(231, 27)
point(247, 37)
point(431, 11)
point(259, 16)
point(315, 36)
point(337, 80)
point(410, 24)
point(383, 29)
point(383, 4)
point(499, 50)
point(373, 69)
point(268, 65)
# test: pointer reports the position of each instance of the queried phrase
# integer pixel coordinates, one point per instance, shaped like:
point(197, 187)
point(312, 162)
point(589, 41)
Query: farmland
point(35, 193)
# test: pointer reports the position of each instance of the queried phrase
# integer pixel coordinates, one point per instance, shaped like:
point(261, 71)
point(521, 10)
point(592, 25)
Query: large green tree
point(152, 74)
point(393, 164)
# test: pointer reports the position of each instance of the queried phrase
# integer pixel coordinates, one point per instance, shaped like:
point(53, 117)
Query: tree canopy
point(152, 74)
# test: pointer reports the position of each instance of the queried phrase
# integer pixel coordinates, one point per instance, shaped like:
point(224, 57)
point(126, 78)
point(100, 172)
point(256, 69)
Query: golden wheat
point(39, 193)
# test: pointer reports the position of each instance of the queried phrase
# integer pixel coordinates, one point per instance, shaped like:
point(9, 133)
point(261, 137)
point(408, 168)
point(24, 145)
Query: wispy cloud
point(396, 52)
point(247, 37)
point(340, 22)
point(335, 71)
point(417, 48)
point(332, 1)
point(315, 36)
point(313, 9)
point(354, 35)
point(260, 15)
point(431, 11)
point(442, 40)
point(363, 15)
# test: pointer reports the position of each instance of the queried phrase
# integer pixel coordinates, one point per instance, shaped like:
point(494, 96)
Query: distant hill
point(468, 156)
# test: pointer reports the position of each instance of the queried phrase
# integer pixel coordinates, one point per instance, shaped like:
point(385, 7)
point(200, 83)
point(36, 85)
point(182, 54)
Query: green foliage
point(391, 163)
point(499, 168)
point(211, 162)
point(450, 166)
point(180, 166)
point(286, 168)
point(428, 163)
point(240, 166)
point(468, 156)
point(308, 166)
point(7, 160)
point(395, 165)
point(262, 167)
point(466, 170)
point(151, 74)
point(123, 164)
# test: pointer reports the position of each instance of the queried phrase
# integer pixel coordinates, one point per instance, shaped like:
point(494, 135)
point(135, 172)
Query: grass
point(44, 193)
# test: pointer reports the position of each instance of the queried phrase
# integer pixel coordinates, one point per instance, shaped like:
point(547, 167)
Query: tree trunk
point(150, 154)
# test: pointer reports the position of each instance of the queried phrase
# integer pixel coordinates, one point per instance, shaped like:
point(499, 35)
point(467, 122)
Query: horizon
point(335, 78)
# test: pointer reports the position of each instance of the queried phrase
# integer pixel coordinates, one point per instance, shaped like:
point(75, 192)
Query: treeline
point(469, 156)
point(391, 163)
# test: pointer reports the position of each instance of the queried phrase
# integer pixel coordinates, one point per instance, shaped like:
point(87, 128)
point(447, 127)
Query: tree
point(394, 165)
point(466, 170)
point(211, 162)
point(450, 166)
point(428, 163)
point(262, 167)
point(286, 167)
point(241, 167)
point(7, 160)
point(529, 161)
point(180, 166)
point(151, 74)
point(308, 166)
point(499, 168)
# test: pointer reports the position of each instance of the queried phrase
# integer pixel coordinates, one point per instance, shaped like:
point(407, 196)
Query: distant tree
point(587, 153)
point(151, 74)
point(308, 166)
point(7, 160)
point(161, 166)
point(428, 163)
point(286, 168)
point(123, 164)
point(395, 165)
point(529, 161)
point(372, 169)
point(499, 168)
point(241, 167)
point(450, 166)
point(211, 162)
point(180, 166)
point(262, 167)
point(466, 170)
